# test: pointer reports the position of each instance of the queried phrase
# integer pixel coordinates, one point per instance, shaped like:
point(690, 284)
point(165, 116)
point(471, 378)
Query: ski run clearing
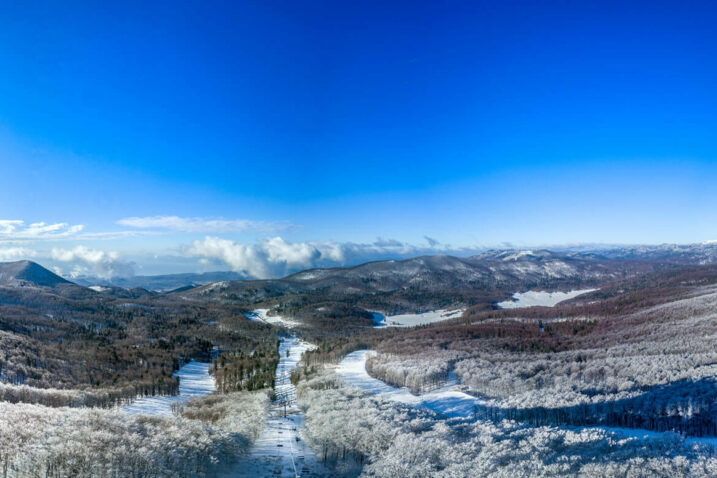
point(194, 381)
point(535, 298)
point(279, 451)
point(446, 400)
point(412, 320)
point(261, 315)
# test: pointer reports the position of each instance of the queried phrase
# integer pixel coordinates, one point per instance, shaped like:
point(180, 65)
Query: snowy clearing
point(412, 320)
point(446, 400)
point(534, 298)
point(194, 381)
point(260, 315)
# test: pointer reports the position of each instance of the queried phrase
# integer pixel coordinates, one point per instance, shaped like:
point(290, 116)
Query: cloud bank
point(275, 257)
point(10, 254)
point(86, 261)
point(203, 225)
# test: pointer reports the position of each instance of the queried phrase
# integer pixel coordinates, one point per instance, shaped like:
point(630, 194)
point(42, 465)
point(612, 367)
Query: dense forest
point(109, 350)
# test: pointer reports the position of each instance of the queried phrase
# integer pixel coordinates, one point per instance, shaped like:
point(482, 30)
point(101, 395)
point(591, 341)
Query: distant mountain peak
point(28, 272)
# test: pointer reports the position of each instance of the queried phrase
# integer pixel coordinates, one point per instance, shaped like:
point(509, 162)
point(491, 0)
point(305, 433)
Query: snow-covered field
point(260, 315)
point(534, 298)
point(412, 320)
point(194, 381)
point(447, 400)
point(279, 451)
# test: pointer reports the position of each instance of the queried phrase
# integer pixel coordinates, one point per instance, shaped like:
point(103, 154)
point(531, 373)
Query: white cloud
point(86, 261)
point(203, 225)
point(9, 254)
point(275, 257)
point(12, 230)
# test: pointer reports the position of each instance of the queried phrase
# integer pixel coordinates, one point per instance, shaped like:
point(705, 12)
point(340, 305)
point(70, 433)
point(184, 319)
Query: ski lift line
point(293, 462)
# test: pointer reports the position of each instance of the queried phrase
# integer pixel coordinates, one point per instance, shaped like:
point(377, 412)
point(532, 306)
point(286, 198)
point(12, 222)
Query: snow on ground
point(534, 298)
point(260, 315)
point(650, 435)
point(447, 400)
point(194, 381)
point(450, 402)
point(279, 451)
point(412, 320)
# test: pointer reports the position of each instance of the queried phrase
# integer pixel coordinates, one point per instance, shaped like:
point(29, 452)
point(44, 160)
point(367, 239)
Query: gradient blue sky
point(472, 123)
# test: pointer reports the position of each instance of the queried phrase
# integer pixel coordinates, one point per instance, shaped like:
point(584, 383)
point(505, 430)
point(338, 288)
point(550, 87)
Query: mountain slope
point(164, 282)
point(28, 273)
point(431, 275)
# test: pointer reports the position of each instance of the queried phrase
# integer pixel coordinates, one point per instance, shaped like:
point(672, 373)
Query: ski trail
point(279, 452)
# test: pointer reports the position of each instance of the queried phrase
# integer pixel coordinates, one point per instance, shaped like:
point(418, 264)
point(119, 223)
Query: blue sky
point(356, 126)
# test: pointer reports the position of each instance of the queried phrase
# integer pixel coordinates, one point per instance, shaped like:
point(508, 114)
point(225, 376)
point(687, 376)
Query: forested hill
point(432, 275)
point(30, 273)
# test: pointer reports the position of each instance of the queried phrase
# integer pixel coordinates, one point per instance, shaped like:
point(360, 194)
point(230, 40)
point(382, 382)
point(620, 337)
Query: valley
point(533, 362)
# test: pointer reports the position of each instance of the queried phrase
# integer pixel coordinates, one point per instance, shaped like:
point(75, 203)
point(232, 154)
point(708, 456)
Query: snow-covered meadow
point(534, 298)
point(262, 315)
point(194, 382)
point(412, 320)
point(446, 400)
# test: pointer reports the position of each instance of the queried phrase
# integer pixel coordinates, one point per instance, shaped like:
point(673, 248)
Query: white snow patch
point(534, 298)
point(517, 255)
point(260, 315)
point(447, 400)
point(98, 288)
point(412, 320)
point(194, 381)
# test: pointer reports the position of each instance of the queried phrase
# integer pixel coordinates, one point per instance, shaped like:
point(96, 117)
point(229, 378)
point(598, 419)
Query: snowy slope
point(261, 315)
point(412, 320)
point(277, 451)
point(535, 298)
point(194, 381)
point(447, 400)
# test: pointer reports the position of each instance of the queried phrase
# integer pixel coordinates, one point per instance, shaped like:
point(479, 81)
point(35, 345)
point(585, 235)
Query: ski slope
point(447, 400)
point(412, 320)
point(536, 298)
point(261, 315)
point(194, 381)
point(279, 452)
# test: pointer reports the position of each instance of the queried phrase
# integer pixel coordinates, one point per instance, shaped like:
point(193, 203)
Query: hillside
point(427, 276)
point(162, 282)
point(28, 273)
